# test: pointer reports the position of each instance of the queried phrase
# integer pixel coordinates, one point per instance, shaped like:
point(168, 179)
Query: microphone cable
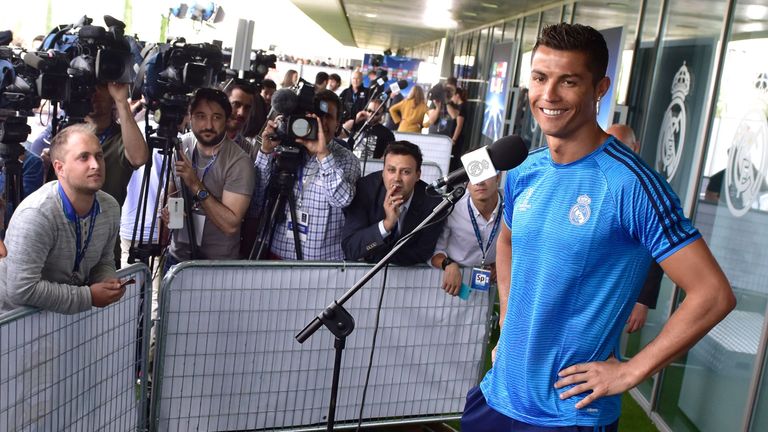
point(378, 313)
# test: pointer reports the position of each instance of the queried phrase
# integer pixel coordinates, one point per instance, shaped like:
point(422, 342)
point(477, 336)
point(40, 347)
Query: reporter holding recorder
point(61, 238)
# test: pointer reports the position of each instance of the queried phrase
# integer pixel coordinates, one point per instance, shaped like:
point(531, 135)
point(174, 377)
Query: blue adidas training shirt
point(583, 235)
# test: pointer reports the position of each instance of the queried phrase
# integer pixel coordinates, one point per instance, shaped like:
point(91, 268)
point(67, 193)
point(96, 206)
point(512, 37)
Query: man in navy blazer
point(388, 205)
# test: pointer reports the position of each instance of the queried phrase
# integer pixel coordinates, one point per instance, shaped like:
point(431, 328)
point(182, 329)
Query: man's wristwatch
point(446, 262)
point(201, 195)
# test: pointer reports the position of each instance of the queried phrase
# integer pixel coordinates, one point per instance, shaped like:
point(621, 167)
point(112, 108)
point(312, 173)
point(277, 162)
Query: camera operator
point(325, 186)
point(220, 178)
point(382, 135)
point(123, 142)
point(61, 238)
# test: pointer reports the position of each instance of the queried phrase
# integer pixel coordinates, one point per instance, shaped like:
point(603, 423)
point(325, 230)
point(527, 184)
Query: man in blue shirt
point(584, 217)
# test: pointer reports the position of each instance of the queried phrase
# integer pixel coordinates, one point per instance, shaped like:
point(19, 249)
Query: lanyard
point(106, 134)
point(494, 231)
point(205, 168)
point(310, 180)
point(69, 212)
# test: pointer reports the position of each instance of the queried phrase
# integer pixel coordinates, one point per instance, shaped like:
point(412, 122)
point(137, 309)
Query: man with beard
point(241, 99)
point(219, 178)
point(61, 238)
point(389, 204)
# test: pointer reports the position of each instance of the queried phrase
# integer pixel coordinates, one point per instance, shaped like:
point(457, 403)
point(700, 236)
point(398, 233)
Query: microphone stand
point(339, 321)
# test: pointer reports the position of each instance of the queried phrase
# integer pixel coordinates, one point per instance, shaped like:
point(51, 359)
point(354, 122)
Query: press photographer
point(321, 181)
point(219, 177)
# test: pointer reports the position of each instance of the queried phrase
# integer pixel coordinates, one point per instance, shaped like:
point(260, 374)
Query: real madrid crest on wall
point(747, 158)
point(672, 135)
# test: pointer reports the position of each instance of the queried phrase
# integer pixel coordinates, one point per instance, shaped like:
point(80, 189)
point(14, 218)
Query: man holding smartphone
point(61, 238)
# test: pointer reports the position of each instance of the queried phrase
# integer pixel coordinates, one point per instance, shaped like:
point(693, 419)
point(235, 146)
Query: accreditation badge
point(480, 279)
point(302, 226)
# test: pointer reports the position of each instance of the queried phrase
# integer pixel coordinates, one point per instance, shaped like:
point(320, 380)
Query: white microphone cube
point(478, 165)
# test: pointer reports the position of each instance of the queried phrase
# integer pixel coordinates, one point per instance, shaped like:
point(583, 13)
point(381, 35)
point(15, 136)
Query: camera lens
point(301, 128)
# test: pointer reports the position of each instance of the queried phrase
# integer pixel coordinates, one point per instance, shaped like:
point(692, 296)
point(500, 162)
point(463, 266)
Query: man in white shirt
point(469, 237)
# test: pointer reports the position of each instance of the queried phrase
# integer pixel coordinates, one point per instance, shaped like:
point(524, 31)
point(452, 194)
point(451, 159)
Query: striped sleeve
point(509, 196)
point(649, 210)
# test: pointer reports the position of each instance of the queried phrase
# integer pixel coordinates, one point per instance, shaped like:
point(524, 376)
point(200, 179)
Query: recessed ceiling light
point(370, 15)
point(472, 14)
point(490, 5)
point(617, 5)
point(756, 12)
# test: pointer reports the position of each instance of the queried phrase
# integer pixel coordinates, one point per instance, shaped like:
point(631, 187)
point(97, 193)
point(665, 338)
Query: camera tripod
point(13, 131)
point(280, 193)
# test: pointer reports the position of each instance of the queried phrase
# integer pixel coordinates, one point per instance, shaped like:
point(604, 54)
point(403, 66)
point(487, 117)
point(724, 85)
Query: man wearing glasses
point(376, 136)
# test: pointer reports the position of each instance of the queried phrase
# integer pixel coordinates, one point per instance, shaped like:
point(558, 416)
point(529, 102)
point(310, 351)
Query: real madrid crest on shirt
point(580, 212)
point(672, 136)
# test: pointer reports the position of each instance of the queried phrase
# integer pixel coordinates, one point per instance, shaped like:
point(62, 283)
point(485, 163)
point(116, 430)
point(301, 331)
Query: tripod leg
point(296, 233)
point(267, 230)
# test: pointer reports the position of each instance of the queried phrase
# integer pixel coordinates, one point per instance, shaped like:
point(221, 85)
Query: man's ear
point(58, 167)
point(602, 87)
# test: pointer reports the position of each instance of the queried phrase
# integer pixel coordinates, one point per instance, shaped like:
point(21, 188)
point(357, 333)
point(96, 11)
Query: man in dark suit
point(388, 205)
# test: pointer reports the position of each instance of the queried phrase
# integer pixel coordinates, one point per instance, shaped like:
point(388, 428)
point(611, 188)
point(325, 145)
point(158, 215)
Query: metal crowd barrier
point(227, 358)
point(76, 372)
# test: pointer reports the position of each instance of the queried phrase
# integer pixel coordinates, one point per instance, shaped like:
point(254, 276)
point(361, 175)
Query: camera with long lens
point(173, 71)
point(74, 58)
point(261, 63)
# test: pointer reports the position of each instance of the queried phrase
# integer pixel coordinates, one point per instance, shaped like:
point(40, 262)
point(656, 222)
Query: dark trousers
point(479, 417)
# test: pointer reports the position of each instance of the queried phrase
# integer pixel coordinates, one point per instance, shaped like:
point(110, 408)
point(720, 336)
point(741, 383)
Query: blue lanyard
point(206, 168)
point(71, 214)
point(494, 231)
point(106, 134)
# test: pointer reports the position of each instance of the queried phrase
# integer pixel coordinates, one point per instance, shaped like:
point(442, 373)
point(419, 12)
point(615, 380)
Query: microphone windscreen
point(507, 152)
point(285, 101)
point(402, 84)
point(6, 37)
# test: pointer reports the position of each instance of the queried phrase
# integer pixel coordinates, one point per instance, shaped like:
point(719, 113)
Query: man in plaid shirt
point(325, 185)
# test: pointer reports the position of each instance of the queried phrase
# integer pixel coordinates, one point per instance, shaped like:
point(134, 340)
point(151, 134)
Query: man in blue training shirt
point(582, 217)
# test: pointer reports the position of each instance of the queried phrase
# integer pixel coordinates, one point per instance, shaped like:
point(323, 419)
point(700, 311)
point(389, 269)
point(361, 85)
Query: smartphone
point(127, 282)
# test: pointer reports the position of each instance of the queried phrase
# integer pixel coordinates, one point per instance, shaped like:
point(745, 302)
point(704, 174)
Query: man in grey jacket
point(61, 238)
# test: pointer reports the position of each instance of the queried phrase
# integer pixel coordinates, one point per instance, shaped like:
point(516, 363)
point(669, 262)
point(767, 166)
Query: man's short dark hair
point(321, 78)
point(451, 81)
point(404, 148)
point(330, 97)
point(62, 137)
point(243, 86)
point(335, 77)
point(577, 37)
point(210, 95)
point(269, 84)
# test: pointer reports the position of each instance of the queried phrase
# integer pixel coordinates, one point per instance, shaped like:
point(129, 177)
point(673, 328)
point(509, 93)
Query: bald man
point(650, 292)
point(626, 135)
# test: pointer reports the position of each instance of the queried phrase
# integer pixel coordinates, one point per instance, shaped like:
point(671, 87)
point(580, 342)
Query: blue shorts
point(479, 417)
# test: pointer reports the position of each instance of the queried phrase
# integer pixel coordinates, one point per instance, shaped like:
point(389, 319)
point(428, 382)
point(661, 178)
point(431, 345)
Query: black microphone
point(6, 37)
point(505, 153)
point(394, 87)
point(284, 101)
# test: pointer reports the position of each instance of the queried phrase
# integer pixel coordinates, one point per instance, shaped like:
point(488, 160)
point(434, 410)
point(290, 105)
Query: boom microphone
point(505, 153)
point(395, 87)
point(284, 101)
